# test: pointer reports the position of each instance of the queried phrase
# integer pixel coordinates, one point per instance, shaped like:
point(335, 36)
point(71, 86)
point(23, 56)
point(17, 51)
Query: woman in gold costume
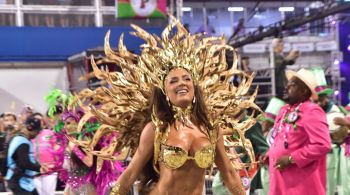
point(172, 106)
point(188, 146)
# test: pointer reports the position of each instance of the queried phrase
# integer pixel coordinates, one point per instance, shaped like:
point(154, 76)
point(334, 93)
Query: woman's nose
point(182, 82)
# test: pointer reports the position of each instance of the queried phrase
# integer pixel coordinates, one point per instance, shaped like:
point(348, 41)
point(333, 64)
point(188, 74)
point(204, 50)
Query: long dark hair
point(164, 113)
point(77, 162)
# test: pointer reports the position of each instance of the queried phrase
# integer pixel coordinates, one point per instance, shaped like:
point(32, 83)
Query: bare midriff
point(186, 180)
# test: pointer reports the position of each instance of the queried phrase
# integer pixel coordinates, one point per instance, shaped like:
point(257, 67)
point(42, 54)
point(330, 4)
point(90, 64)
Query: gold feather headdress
point(129, 91)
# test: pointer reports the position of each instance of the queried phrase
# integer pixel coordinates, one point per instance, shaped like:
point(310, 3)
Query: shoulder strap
point(214, 137)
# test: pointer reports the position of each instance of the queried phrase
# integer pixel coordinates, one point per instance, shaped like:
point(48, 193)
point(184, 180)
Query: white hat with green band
point(322, 87)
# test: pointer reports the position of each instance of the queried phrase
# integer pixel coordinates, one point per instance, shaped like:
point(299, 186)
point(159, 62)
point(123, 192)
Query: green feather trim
point(91, 128)
point(57, 97)
point(58, 127)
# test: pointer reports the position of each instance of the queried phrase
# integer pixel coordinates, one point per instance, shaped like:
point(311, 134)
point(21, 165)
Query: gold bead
point(115, 189)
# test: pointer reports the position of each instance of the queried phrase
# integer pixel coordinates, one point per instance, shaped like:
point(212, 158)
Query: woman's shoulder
point(149, 128)
point(150, 125)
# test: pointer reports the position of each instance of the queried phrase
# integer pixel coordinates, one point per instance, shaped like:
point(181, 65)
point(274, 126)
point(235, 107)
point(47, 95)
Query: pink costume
point(308, 144)
point(44, 144)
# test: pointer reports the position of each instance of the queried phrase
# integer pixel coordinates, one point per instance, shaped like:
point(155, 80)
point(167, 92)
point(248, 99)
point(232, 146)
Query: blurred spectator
point(20, 158)
point(245, 65)
point(10, 123)
point(281, 62)
point(9, 130)
point(26, 111)
point(44, 143)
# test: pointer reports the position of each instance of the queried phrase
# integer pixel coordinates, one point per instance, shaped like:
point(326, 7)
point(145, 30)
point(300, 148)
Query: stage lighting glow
point(336, 62)
point(186, 9)
point(286, 9)
point(235, 9)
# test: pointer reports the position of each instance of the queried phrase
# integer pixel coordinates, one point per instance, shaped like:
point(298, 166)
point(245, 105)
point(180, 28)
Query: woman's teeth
point(183, 91)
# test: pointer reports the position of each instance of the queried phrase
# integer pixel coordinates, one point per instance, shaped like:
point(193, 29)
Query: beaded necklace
point(288, 118)
point(182, 114)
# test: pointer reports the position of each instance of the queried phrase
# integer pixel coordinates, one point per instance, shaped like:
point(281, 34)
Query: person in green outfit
point(255, 135)
point(337, 176)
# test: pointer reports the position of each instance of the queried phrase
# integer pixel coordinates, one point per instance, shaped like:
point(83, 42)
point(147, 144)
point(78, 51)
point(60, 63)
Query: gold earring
point(194, 99)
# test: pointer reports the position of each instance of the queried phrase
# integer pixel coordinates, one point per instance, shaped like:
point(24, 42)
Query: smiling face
point(179, 87)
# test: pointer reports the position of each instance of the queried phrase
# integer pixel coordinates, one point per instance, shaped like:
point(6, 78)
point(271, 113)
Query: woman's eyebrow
point(173, 78)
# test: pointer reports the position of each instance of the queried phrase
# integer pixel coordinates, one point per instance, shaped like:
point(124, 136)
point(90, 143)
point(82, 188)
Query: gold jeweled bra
point(174, 157)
